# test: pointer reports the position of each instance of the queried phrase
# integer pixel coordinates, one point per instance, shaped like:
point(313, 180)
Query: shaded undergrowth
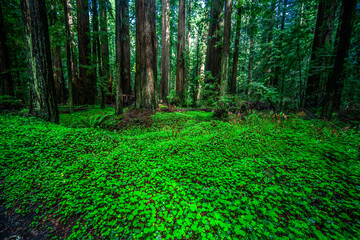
point(185, 176)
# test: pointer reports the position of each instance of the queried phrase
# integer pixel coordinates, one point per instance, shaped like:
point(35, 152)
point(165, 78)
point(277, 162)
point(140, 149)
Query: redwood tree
point(252, 29)
point(59, 79)
point(335, 83)
point(236, 52)
point(118, 88)
point(70, 52)
point(96, 51)
point(226, 48)
point(180, 63)
point(43, 98)
point(104, 42)
point(146, 57)
point(322, 37)
point(85, 88)
point(213, 58)
point(165, 51)
point(125, 47)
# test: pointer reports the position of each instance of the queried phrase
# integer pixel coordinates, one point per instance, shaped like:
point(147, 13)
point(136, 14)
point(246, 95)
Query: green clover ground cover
point(187, 177)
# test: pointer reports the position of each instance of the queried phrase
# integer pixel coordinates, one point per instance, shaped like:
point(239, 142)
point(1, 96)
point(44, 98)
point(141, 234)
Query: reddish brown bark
point(165, 51)
point(96, 51)
point(118, 87)
point(125, 47)
point(85, 88)
point(59, 76)
point(146, 57)
point(213, 58)
point(104, 42)
point(236, 52)
point(226, 48)
point(70, 53)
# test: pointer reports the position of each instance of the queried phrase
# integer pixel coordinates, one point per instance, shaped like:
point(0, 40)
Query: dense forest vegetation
point(293, 55)
point(209, 119)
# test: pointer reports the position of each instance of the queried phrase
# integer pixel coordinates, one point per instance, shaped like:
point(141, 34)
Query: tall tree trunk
point(42, 88)
point(213, 57)
point(335, 83)
point(300, 88)
point(146, 57)
point(6, 81)
point(188, 22)
point(118, 87)
point(251, 49)
point(269, 40)
point(236, 52)
point(284, 66)
point(202, 65)
point(226, 48)
point(188, 45)
point(59, 75)
point(277, 73)
point(250, 66)
point(96, 54)
point(125, 47)
point(180, 63)
point(105, 67)
point(70, 53)
point(85, 89)
point(165, 51)
point(195, 88)
point(322, 36)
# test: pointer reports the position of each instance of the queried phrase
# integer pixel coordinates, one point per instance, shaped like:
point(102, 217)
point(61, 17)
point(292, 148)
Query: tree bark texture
point(202, 65)
point(277, 70)
point(43, 104)
point(105, 62)
point(125, 47)
point(70, 53)
point(118, 87)
point(146, 57)
point(322, 37)
point(165, 51)
point(251, 48)
point(226, 48)
point(96, 54)
point(236, 52)
point(85, 88)
point(6, 81)
point(59, 76)
point(188, 43)
point(269, 39)
point(196, 73)
point(213, 57)
point(180, 63)
point(335, 83)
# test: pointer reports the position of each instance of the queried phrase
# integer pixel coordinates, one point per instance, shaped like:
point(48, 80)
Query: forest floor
point(180, 175)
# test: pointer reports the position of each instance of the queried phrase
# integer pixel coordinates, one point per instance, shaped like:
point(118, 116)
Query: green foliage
point(223, 106)
point(173, 98)
point(209, 95)
point(95, 121)
point(262, 178)
point(93, 118)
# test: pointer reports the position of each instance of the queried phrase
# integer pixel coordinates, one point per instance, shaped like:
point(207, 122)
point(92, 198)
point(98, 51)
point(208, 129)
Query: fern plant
point(97, 121)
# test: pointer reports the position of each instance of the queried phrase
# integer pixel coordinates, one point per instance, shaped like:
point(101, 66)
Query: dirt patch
point(14, 226)
point(136, 117)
